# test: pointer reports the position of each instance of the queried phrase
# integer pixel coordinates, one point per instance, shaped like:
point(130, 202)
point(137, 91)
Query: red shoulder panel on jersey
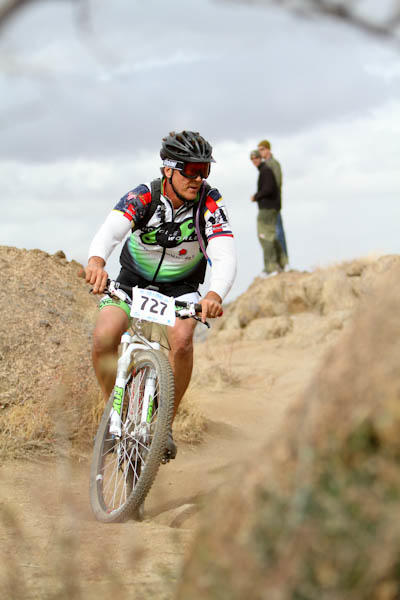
point(145, 198)
point(211, 204)
point(130, 212)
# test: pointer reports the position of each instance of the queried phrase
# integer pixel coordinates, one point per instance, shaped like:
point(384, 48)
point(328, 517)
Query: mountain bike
point(131, 439)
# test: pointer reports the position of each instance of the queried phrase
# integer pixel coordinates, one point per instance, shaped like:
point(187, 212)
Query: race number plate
point(149, 305)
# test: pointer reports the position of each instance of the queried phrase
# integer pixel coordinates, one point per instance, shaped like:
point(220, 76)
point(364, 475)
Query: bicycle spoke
point(126, 466)
point(129, 460)
point(113, 470)
point(115, 479)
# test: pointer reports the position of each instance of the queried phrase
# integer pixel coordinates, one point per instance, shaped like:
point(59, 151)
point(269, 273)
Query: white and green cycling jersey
point(162, 243)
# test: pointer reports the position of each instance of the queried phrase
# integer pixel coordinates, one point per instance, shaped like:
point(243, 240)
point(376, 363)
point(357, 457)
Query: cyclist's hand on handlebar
point(211, 306)
point(96, 275)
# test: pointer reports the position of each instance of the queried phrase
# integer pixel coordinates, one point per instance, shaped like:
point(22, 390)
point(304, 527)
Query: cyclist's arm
point(120, 221)
point(110, 234)
point(95, 274)
point(222, 253)
point(221, 247)
point(113, 231)
point(211, 306)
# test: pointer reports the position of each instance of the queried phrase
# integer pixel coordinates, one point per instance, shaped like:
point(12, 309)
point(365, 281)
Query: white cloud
point(69, 90)
point(83, 111)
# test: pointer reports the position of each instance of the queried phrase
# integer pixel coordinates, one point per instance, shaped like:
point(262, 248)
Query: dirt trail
point(54, 539)
point(263, 353)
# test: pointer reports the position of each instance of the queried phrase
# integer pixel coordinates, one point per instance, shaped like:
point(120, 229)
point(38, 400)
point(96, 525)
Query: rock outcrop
point(292, 302)
point(47, 384)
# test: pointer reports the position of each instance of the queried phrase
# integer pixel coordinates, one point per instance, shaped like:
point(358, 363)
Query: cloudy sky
point(87, 90)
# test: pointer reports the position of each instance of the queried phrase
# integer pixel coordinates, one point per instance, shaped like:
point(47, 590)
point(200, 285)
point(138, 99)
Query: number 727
point(155, 307)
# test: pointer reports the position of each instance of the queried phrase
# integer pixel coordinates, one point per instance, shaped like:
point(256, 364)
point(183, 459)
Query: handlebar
point(123, 292)
point(183, 304)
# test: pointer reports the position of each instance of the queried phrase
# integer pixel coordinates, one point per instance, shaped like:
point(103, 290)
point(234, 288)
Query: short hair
point(255, 154)
point(265, 144)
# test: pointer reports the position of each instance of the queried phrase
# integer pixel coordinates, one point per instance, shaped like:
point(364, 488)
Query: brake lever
point(206, 323)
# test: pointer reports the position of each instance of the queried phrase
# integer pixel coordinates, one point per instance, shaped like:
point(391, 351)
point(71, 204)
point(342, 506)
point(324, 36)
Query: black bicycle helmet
point(186, 146)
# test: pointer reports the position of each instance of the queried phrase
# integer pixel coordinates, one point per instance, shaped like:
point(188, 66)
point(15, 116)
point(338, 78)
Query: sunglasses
point(192, 170)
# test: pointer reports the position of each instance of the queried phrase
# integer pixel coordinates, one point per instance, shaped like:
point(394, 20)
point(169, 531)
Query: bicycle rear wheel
point(123, 469)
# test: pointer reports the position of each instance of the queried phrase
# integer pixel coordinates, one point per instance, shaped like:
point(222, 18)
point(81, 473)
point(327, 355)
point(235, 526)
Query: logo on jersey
point(170, 235)
point(217, 224)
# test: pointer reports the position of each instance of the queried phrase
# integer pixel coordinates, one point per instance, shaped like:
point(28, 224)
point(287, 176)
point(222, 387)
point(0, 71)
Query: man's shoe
point(171, 449)
point(265, 275)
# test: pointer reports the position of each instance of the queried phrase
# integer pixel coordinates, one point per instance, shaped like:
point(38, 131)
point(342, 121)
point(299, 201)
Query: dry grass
point(189, 424)
point(32, 427)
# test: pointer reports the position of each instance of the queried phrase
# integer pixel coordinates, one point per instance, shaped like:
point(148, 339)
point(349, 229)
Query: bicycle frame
point(129, 345)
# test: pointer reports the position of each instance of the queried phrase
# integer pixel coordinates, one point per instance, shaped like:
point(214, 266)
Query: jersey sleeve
point(135, 204)
point(216, 217)
point(130, 209)
point(110, 234)
point(221, 247)
point(222, 253)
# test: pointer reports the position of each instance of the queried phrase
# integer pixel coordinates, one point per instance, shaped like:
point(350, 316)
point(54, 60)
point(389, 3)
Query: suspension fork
point(128, 346)
point(148, 405)
point(120, 384)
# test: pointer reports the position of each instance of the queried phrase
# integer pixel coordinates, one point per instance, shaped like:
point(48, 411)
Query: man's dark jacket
point(268, 194)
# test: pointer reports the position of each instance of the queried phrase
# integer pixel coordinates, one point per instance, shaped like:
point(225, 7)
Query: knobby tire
point(137, 468)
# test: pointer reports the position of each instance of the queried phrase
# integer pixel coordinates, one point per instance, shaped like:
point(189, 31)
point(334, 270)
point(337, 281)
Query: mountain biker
point(172, 234)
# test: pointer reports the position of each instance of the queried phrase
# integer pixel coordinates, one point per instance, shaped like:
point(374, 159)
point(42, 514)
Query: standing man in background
point(264, 148)
point(268, 199)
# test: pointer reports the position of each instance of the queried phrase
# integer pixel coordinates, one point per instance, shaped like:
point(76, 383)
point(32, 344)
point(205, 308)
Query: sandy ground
point(50, 539)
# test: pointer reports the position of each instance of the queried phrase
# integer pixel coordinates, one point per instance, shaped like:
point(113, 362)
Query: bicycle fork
point(147, 405)
point(120, 385)
point(146, 412)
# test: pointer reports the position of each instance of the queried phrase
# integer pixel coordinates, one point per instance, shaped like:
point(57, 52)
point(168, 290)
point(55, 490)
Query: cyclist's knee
point(104, 341)
point(106, 337)
point(181, 338)
point(182, 346)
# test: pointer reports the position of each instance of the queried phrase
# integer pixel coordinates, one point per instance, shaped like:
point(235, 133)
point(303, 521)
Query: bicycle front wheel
point(123, 469)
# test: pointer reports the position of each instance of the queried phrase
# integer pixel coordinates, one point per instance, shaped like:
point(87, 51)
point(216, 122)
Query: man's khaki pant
point(274, 256)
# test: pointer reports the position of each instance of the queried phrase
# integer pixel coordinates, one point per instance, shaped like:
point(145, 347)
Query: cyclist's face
point(188, 188)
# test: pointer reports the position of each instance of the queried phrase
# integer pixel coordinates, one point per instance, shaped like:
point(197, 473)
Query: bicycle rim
point(123, 470)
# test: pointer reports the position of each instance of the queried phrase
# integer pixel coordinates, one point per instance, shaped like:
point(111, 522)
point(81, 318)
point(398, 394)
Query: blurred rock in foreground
point(314, 515)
